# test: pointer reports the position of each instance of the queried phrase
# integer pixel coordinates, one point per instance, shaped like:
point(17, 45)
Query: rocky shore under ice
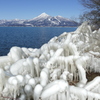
point(65, 68)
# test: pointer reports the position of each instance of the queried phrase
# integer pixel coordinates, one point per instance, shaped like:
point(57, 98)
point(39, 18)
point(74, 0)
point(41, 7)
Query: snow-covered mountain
point(42, 20)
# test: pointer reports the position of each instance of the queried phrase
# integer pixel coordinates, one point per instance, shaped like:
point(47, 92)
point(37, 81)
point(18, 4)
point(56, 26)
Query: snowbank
point(46, 73)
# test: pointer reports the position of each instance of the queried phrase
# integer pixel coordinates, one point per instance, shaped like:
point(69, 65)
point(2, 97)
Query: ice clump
point(46, 73)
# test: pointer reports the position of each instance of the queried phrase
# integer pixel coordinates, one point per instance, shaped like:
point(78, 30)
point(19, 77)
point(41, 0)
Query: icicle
point(93, 83)
point(44, 77)
point(82, 73)
point(28, 90)
point(2, 79)
point(37, 67)
point(37, 92)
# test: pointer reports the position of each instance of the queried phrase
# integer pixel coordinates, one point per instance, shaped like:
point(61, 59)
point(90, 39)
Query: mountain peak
point(59, 16)
point(43, 15)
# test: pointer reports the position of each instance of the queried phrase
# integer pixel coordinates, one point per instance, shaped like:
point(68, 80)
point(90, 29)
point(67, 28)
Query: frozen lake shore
point(46, 73)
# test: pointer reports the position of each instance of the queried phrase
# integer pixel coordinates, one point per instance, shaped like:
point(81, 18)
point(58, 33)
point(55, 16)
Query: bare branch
point(93, 13)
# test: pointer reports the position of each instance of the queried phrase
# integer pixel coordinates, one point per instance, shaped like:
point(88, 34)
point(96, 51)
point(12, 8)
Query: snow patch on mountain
point(42, 16)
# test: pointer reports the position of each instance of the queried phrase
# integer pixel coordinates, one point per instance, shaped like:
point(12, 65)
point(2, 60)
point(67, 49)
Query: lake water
point(30, 37)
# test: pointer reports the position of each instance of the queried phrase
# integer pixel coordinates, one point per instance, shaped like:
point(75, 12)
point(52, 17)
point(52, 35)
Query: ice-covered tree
point(92, 12)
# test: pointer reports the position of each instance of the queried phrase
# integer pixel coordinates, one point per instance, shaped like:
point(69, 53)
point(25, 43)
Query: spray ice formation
point(45, 73)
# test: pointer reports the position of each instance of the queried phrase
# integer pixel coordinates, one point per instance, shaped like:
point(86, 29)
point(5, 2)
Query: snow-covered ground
point(46, 73)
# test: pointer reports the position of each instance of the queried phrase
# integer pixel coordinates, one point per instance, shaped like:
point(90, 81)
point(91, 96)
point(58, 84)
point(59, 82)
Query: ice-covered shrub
point(46, 73)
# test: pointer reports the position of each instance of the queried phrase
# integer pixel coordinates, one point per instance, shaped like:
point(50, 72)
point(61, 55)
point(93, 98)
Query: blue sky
point(28, 9)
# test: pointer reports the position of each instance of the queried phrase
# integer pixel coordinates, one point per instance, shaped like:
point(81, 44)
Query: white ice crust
point(46, 73)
